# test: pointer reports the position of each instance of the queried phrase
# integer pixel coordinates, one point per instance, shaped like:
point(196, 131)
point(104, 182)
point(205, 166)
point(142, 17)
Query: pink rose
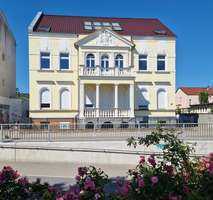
point(141, 183)
point(154, 180)
point(142, 160)
point(152, 161)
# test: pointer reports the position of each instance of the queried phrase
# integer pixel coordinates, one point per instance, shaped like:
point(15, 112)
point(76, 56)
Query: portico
point(106, 100)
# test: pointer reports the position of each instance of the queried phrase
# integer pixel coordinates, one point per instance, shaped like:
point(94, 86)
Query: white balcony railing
point(106, 113)
point(98, 71)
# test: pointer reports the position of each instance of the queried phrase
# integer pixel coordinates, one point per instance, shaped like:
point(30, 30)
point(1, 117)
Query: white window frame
point(50, 67)
point(161, 59)
point(142, 59)
point(115, 59)
point(64, 125)
point(40, 98)
point(69, 59)
point(90, 67)
point(60, 93)
point(108, 59)
point(166, 98)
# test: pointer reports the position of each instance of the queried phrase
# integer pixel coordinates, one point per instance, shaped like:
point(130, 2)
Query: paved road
point(61, 174)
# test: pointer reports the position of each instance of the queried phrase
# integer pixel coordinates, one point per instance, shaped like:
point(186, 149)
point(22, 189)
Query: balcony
point(98, 71)
point(106, 113)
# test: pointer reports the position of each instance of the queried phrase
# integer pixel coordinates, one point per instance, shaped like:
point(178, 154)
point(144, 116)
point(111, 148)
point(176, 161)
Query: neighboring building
point(7, 69)
point(100, 69)
point(188, 96)
point(19, 109)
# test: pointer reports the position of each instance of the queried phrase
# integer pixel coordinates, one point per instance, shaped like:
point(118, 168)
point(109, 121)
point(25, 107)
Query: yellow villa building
point(101, 70)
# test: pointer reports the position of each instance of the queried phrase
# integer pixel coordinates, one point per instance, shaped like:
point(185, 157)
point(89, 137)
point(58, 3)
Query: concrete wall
point(119, 157)
point(7, 60)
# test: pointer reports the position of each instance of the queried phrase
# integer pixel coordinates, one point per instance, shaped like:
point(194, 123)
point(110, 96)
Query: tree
point(204, 98)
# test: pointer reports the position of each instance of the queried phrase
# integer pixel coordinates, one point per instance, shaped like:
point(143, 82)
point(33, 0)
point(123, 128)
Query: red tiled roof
point(196, 90)
point(75, 25)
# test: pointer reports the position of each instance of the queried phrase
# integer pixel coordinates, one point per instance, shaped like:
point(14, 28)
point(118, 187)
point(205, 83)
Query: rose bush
point(172, 175)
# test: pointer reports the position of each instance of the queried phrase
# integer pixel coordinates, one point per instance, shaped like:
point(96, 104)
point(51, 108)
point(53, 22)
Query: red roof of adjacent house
point(130, 26)
point(197, 90)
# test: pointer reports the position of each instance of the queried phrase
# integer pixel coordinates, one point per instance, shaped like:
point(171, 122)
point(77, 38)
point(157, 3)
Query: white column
point(131, 100)
point(81, 114)
point(97, 99)
point(116, 100)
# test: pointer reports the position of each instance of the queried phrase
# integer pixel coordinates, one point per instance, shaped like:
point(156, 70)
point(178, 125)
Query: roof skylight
point(88, 25)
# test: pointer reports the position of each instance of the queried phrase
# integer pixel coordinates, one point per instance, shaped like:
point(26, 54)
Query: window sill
point(162, 72)
point(141, 109)
point(45, 70)
point(144, 72)
point(64, 70)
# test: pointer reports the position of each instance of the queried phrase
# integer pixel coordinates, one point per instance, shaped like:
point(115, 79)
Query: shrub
point(173, 175)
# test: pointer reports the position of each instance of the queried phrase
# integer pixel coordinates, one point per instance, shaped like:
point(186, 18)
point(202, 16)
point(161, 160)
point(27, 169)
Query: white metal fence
point(90, 131)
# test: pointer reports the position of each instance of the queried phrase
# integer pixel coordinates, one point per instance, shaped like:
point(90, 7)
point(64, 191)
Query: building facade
point(90, 69)
point(7, 68)
point(188, 96)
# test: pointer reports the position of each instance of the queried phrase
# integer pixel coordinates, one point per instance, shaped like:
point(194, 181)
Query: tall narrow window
point(45, 60)
point(64, 61)
point(104, 62)
point(65, 99)
point(142, 62)
point(119, 61)
point(161, 62)
point(161, 99)
point(143, 99)
point(45, 98)
point(90, 61)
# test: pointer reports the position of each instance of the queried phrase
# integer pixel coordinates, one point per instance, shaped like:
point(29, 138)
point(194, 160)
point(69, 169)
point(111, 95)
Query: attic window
point(44, 28)
point(116, 26)
point(106, 24)
point(88, 25)
point(96, 23)
point(160, 32)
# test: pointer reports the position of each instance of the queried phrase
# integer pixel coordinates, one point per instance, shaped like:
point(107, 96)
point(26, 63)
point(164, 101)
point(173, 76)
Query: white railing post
point(49, 134)
point(131, 99)
point(116, 99)
point(1, 134)
point(81, 113)
point(184, 131)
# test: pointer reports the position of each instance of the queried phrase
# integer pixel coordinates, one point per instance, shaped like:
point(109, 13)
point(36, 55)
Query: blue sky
point(190, 20)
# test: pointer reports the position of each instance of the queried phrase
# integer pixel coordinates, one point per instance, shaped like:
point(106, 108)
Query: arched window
point(90, 60)
point(65, 99)
point(143, 99)
point(161, 99)
point(104, 62)
point(119, 61)
point(45, 98)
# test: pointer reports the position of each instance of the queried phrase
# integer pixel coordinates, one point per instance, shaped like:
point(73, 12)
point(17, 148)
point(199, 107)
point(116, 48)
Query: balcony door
point(104, 63)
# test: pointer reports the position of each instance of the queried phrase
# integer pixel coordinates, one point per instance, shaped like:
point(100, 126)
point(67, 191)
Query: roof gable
point(104, 37)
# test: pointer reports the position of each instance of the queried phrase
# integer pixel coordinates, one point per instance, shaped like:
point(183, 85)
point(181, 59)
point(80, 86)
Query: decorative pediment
point(104, 38)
